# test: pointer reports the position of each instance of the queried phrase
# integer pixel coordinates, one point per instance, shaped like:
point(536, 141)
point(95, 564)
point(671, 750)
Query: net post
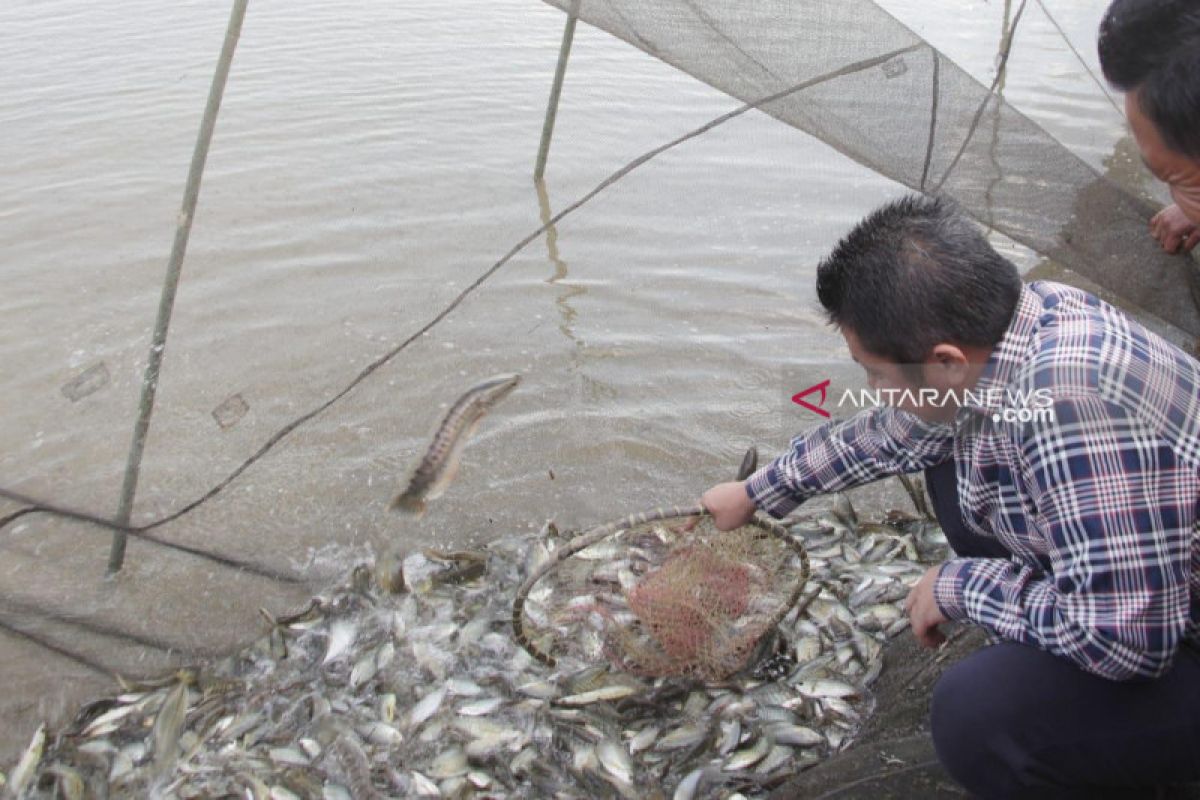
point(191, 193)
point(560, 71)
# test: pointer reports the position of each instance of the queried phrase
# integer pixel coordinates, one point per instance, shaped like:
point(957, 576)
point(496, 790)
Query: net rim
point(602, 532)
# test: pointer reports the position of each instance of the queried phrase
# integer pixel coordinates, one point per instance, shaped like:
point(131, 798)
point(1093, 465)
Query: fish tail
point(410, 503)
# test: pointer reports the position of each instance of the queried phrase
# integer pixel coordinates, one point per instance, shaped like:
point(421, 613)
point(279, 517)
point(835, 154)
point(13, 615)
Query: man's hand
point(1174, 231)
point(729, 505)
point(923, 612)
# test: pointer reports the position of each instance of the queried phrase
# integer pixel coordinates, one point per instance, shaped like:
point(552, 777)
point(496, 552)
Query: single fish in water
point(437, 468)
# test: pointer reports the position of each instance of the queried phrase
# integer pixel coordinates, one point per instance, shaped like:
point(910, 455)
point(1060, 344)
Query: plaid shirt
point(1098, 505)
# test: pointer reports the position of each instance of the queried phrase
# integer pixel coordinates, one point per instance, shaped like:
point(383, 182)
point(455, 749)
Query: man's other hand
point(923, 612)
point(729, 505)
point(1174, 231)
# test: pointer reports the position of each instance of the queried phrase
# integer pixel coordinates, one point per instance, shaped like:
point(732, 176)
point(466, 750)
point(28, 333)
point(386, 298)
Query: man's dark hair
point(1153, 46)
point(914, 274)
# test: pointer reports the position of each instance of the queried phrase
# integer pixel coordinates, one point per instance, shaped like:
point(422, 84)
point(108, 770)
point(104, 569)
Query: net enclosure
point(855, 77)
point(657, 597)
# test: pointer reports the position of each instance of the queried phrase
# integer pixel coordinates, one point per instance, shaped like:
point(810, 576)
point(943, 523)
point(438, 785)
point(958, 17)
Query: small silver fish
point(614, 759)
point(749, 756)
point(451, 763)
point(542, 690)
point(108, 721)
point(288, 756)
point(688, 735)
point(795, 735)
point(30, 759)
point(342, 634)
point(168, 726)
point(382, 734)
point(364, 670)
point(439, 465)
point(643, 739)
point(822, 688)
point(463, 687)
point(775, 759)
point(807, 649)
point(686, 790)
point(426, 708)
point(606, 693)
point(481, 708)
point(423, 786)
point(731, 735)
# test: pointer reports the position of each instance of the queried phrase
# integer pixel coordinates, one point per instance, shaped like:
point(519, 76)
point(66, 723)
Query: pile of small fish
point(424, 693)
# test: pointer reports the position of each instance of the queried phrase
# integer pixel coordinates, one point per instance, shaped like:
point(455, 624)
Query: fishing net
point(655, 599)
point(256, 443)
point(855, 77)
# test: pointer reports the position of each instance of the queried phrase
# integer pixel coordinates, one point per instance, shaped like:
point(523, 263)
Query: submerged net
point(654, 599)
point(852, 75)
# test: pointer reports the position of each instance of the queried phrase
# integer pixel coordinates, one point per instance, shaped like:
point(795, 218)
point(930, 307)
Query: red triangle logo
point(821, 387)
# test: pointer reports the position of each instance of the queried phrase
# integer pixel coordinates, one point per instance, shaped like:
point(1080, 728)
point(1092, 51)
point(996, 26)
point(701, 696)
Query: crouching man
point(1073, 530)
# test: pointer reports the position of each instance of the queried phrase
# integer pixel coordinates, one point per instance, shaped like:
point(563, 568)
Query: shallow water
point(370, 162)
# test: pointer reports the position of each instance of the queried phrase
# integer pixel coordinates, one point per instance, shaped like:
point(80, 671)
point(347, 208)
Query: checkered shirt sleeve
point(870, 445)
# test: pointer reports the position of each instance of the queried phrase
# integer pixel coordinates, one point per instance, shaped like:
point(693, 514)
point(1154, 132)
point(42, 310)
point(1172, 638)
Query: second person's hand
point(1174, 231)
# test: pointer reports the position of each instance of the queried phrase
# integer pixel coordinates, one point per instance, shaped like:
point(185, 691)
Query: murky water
point(371, 161)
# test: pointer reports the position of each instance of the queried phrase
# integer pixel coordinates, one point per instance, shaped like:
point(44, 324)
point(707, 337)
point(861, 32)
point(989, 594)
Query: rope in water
point(142, 535)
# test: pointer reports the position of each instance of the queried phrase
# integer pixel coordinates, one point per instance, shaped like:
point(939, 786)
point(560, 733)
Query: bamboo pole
point(560, 72)
point(191, 193)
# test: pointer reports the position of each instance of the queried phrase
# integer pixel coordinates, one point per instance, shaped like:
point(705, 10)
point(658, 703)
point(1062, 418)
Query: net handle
point(589, 538)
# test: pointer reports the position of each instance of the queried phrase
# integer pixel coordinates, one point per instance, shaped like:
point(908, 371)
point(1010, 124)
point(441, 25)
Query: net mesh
point(654, 599)
point(859, 80)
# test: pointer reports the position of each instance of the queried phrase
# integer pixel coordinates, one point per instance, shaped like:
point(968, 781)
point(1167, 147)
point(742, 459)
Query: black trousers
point(1013, 721)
